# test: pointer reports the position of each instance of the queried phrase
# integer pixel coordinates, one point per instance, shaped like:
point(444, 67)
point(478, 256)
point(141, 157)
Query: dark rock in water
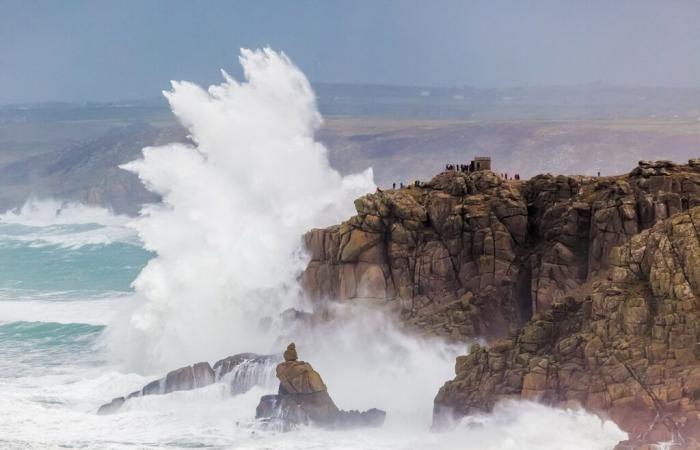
point(371, 418)
point(245, 370)
point(203, 374)
point(190, 377)
point(111, 407)
point(303, 399)
point(290, 411)
point(228, 364)
point(282, 412)
point(153, 388)
point(181, 379)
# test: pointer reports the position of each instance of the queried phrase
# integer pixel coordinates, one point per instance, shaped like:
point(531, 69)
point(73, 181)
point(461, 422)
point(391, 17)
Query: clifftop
point(474, 255)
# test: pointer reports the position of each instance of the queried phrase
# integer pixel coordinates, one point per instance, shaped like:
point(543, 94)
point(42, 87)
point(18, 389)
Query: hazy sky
point(101, 50)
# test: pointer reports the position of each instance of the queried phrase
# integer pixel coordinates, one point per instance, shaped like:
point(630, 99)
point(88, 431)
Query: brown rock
point(303, 399)
point(624, 347)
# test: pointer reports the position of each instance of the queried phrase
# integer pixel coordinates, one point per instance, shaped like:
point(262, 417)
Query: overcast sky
point(124, 49)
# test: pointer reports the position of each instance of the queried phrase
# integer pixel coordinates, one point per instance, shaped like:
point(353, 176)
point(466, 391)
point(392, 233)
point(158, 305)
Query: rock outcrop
point(625, 345)
point(469, 255)
point(303, 399)
point(241, 372)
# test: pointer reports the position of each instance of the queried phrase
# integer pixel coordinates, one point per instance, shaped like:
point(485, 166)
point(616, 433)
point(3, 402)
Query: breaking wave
point(234, 207)
point(55, 223)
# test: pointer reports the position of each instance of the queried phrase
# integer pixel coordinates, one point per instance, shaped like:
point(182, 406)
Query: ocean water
point(95, 305)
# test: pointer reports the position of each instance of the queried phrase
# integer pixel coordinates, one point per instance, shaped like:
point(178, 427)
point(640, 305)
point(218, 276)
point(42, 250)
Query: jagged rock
point(288, 412)
point(242, 371)
point(111, 407)
point(473, 255)
point(303, 399)
point(190, 377)
point(624, 345)
point(298, 377)
point(282, 411)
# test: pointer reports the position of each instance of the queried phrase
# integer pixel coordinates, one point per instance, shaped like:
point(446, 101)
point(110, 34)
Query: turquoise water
point(57, 286)
point(42, 348)
point(63, 258)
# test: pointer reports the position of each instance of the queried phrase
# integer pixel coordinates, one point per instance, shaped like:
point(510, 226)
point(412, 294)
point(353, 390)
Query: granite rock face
point(625, 345)
point(474, 255)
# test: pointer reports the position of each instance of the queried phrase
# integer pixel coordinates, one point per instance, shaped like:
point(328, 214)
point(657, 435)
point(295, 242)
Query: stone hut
point(480, 163)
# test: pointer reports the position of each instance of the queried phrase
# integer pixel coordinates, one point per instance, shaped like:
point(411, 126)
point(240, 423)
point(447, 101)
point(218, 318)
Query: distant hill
point(72, 151)
point(87, 171)
point(406, 150)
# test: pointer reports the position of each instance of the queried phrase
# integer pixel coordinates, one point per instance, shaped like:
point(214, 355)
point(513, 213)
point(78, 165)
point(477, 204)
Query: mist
point(228, 230)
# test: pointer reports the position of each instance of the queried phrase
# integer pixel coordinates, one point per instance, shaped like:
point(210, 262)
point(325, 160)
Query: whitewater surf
point(94, 305)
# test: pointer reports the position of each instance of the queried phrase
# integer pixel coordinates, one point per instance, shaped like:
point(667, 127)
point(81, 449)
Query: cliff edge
point(471, 254)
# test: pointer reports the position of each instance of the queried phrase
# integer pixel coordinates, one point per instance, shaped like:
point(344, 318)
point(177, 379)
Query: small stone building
point(480, 163)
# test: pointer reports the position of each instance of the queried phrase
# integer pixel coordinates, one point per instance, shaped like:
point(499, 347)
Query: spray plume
point(234, 207)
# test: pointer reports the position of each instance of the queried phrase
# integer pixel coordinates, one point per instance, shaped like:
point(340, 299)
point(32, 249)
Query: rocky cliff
point(469, 255)
point(585, 287)
point(625, 345)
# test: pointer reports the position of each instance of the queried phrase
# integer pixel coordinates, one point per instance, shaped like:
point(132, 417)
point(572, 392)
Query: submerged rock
point(111, 407)
point(303, 399)
point(190, 377)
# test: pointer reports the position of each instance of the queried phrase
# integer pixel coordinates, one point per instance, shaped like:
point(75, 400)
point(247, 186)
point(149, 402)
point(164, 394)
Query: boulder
point(298, 377)
point(288, 412)
point(111, 407)
point(303, 399)
point(190, 377)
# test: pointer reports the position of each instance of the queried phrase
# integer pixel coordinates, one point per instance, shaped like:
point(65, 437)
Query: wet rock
point(303, 399)
point(111, 407)
point(242, 371)
point(190, 377)
point(246, 370)
point(282, 412)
